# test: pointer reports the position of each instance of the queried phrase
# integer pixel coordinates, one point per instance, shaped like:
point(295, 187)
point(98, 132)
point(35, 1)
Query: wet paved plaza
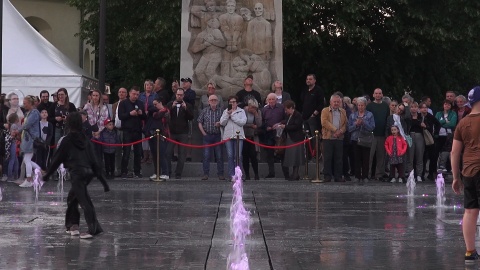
point(184, 224)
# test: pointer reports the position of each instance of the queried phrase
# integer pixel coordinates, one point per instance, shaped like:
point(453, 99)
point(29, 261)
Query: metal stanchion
point(306, 177)
point(317, 179)
point(158, 179)
point(237, 157)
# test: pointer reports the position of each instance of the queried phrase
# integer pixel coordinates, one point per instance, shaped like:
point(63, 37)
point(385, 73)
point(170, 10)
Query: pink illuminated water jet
point(239, 226)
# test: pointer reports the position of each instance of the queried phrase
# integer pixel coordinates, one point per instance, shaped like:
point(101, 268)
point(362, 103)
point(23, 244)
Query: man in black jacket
point(313, 100)
point(76, 154)
point(130, 112)
point(180, 113)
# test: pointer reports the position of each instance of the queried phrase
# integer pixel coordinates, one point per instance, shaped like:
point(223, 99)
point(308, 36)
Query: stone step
point(195, 169)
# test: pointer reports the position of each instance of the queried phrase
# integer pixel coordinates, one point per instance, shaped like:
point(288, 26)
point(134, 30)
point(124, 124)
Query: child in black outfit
point(109, 135)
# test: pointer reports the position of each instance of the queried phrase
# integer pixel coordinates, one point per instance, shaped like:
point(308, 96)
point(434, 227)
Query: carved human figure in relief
point(259, 34)
point(200, 15)
point(210, 42)
point(231, 25)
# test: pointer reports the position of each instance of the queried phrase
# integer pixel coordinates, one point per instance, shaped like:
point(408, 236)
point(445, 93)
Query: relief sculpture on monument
point(229, 40)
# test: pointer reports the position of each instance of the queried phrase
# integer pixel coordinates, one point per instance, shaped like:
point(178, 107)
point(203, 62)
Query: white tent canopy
point(31, 63)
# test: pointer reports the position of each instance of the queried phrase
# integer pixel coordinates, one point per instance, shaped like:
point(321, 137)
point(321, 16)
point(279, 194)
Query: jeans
point(210, 139)
point(232, 153)
point(13, 161)
point(164, 164)
point(129, 137)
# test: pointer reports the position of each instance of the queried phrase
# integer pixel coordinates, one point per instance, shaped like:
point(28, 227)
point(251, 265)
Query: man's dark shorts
point(471, 192)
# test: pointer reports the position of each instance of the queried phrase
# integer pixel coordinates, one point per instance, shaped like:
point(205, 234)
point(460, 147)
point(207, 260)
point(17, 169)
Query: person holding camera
point(60, 110)
point(131, 113)
point(233, 119)
point(180, 113)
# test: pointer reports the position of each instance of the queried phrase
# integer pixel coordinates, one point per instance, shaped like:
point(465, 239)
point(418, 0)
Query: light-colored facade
point(58, 22)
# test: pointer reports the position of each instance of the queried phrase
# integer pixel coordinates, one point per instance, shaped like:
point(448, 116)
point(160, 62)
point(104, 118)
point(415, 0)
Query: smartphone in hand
point(229, 107)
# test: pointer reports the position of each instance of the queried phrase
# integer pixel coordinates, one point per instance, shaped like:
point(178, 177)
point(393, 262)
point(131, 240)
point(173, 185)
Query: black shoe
point(347, 178)
point(257, 177)
point(471, 257)
point(270, 176)
point(175, 158)
point(178, 176)
point(189, 159)
point(247, 177)
point(138, 175)
point(126, 175)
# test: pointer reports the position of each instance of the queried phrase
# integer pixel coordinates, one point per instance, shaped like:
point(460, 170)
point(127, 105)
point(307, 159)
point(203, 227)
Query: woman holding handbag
point(433, 126)
point(29, 130)
point(249, 152)
point(292, 127)
point(360, 121)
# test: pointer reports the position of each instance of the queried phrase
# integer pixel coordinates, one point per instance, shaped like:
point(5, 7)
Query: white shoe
point(393, 180)
point(4, 178)
point(154, 176)
point(26, 183)
point(419, 179)
point(164, 176)
point(86, 236)
point(400, 180)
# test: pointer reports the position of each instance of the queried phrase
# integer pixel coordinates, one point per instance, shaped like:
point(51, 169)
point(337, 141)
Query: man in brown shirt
point(467, 139)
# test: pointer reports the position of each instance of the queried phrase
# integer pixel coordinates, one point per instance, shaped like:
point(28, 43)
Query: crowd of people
point(362, 138)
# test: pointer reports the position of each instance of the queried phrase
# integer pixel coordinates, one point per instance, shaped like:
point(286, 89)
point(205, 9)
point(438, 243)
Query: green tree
point(352, 46)
point(142, 38)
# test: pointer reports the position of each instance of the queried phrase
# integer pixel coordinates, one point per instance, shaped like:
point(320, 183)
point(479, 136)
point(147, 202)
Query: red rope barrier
point(312, 151)
point(122, 144)
point(280, 146)
point(194, 145)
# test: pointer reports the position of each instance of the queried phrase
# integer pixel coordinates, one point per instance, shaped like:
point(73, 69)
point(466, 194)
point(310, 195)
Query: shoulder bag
point(427, 136)
point(365, 138)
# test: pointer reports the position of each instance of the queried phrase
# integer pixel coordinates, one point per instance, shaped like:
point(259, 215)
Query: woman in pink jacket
point(396, 147)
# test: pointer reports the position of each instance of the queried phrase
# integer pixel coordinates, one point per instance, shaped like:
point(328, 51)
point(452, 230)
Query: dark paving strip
point(263, 233)
point(213, 231)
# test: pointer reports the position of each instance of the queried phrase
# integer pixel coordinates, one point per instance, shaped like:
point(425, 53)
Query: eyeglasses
point(213, 100)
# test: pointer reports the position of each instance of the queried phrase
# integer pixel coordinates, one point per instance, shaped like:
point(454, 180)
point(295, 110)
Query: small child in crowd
point(109, 135)
point(396, 147)
point(11, 147)
point(46, 133)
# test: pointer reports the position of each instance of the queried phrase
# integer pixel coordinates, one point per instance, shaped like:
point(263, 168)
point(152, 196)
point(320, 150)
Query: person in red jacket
point(396, 147)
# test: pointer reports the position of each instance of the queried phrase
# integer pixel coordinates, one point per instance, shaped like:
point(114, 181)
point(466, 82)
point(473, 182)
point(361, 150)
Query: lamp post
point(1, 46)
point(101, 46)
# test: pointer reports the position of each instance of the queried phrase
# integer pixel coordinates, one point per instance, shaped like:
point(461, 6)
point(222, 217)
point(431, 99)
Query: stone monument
point(224, 41)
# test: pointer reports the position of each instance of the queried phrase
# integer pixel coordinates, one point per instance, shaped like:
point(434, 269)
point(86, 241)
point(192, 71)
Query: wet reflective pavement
point(183, 224)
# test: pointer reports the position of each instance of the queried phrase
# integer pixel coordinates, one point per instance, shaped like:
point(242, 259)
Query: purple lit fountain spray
point(62, 172)
point(239, 226)
point(440, 190)
point(411, 184)
point(37, 179)
point(1, 196)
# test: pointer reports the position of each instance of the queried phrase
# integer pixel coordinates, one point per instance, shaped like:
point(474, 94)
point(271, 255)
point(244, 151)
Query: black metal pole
point(101, 46)
point(1, 46)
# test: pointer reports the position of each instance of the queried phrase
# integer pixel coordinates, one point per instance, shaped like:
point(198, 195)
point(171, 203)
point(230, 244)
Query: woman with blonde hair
point(30, 130)
point(249, 151)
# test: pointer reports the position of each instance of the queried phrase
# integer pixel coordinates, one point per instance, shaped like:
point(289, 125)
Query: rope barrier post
point(317, 179)
point(306, 177)
point(237, 158)
point(158, 179)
